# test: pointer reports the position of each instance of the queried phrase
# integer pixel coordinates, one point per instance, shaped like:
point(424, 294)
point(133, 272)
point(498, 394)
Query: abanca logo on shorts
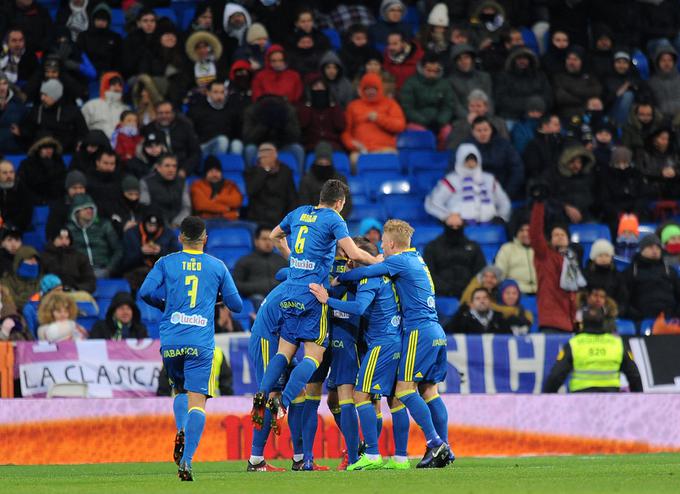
point(194, 320)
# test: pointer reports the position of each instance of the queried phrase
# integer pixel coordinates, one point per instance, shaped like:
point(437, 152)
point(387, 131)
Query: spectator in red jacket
point(321, 117)
point(276, 78)
point(401, 57)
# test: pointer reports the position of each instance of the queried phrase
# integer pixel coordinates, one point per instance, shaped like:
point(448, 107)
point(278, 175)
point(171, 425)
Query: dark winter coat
point(209, 122)
point(666, 87)
point(254, 273)
point(321, 124)
point(567, 188)
point(106, 191)
point(181, 140)
point(132, 246)
point(513, 88)
point(170, 196)
point(613, 81)
point(271, 119)
point(36, 24)
point(610, 279)
point(427, 102)
point(341, 88)
point(16, 207)
point(108, 328)
point(464, 82)
point(653, 287)
point(659, 19)
point(72, 267)
point(312, 182)
point(103, 47)
point(464, 322)
point(635, 134)
point(19, 287)
point(11, 114)
point(572, 92)
point(63, 121)
point(43, 177)
point(137, 46)
point(621, 191)
point(82, 159)
point(501, 160)
point(272, 195)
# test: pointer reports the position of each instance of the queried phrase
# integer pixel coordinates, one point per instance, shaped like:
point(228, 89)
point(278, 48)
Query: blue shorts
point(260, 350)
point(345, 359)
point(379, 366)
point(423, 355)
point(190, 368)
point(304, 317)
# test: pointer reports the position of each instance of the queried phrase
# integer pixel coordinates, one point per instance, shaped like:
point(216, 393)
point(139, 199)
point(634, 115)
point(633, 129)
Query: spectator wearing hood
point(99, 43)
point(572, 185)
point(465, 78)
point(146, 94)
point(332, 72)
point(670, 241)
point(146, 156)
point(373, 120)
point(488, 22)
point(321, 170)
point(103, 182)
point(74, 184)
point(16, 62)
point(374, 65)
point(356, 50)
point(427, 98)
point(12, 111)
point(103, 113)
point(71, 266)
point(214, 197)
point(660, 165)
point(524, 130)
point(236, 21)
point(453, 259)
point(658, 23)
point(277, 78)
point(57, 315)
point(623, 86)
point(494, 54)
point(205, 51)
point(468, 194)
point(401, 57)
point(516, 258)
point(239, 98)
point(128, 209)
point(621, 188)
point(10, 243)
point(478, 317)
point(665, 82)
point(510, 296)
point(34, 21)
point(601, 54)
point(254, 273)
point(72, 60)
point(91, 145)
point(257, 42)
point(23, 280)
point(553, 59)
point(574, 87)
point(643, 121)
point(542, 153)
point(43, 171)
point(139, 44)
point(16, 207)
point(94, 237)
point(210, 117)
point(478, 105)
point(391, 19)
point(371, 229)
point(304, 55)
point(123, 320)
point(167, 190)
point(321, 117)
point(601, 272)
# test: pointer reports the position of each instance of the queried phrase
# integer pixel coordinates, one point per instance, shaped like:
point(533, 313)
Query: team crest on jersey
point(396, 321)
point(430, 302)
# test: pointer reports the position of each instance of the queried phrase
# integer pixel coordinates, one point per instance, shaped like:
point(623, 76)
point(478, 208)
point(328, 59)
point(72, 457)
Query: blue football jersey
point(269, 318)
point(382, 315)
point(314, 233)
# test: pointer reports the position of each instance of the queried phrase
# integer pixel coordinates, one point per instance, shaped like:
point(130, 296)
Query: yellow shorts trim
point(323, 325)
point(299, 399)
point(312, 398)
point(346, 402)
point(411, 355)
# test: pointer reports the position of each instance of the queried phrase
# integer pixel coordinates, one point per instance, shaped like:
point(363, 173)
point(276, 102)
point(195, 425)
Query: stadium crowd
point(548, 120)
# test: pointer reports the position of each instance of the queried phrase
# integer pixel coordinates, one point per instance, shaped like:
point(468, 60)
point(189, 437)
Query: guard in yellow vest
point(595, 359)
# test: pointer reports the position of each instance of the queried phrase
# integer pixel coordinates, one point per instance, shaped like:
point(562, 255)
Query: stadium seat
point(15, 159)
point(340, 162)
point(333, 37)
point(361, 211)
point(487, 234)
point(626, 327)
point(394, 187)
point(231, 162)
point(641, 64)
point(107, 288)
point(446, 308)
point(419, 160)
point(407, 207)
point(425, 181)
point(40, 214)
point(35, 239)
point(166, 12)
point(87, 322)
point(375, 178)
point(147, 312)
point(289, 160)
point(185, 13)
point(87, 309)
point(237, 178)
point(490, 251)
point(646, 327)
point(424, 234)
point(386, 162)
point(117, 22)
point(416, 139)
point(587, 233)
point(227, 236)
point(229, 255)
point(647, 228)
point(621, 263)
point(530, 304)
point(530, 40)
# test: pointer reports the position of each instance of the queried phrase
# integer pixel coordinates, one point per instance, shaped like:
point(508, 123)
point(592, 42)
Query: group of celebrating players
point(375, 311)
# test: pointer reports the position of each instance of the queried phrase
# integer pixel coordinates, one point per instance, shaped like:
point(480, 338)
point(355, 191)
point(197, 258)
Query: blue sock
point(350, 429)
point(400, 427)
point(378, 417)
point(310, 422)
point(440, 417)
point(260, 436)
point(193, 432)
point(369, 426)
point(421, 415)
point(276, 366)
point(298, 379)
point(180, 406)
point(295, 425)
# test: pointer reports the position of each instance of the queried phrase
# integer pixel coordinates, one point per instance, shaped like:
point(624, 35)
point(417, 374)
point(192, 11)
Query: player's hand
point(319, 292)
point(335, 282)
point(380, 258)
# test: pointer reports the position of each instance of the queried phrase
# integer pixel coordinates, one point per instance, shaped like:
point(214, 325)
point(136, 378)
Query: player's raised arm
point(357, 254)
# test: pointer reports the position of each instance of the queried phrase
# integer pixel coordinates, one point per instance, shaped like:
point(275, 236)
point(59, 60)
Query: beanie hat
point(323, 150)
point(628, 222)
point(48, 283)
point(130, 183)
point(211, 163)
point(52, 88)
point(439, 16)
point(668, 232)
point(496, 271)
point(535, 103)
point(75, 177)
point(577, 50)
point(622, 55)
point(648, 241)
point(601, 246)
point(621, 154)
point(255, 32)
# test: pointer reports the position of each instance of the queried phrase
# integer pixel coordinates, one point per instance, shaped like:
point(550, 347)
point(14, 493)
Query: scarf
point(9, 64)
point(571, 278)
point(401, 56)
point(78, 20)
point(483, 318)
point(205, 72)
point(214, 105)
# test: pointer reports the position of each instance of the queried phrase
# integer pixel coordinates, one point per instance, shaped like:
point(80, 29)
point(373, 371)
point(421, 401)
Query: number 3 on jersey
point(192, 280)
point(300, 241)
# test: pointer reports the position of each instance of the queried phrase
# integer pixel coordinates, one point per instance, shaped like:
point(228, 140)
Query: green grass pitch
point(653, 473)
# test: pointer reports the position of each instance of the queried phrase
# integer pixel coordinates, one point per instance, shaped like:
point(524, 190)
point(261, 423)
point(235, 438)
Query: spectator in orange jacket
point(276, 78)
point(401, 57)
point(373, 120)
point(214, 197)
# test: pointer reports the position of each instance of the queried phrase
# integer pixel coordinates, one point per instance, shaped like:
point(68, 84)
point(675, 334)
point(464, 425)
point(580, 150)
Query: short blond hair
point(399, 231)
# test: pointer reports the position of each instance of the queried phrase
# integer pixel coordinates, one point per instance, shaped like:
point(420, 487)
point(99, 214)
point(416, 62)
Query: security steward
point(595, 358)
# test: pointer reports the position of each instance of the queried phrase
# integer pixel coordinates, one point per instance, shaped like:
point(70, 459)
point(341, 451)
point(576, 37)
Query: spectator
point(603, 144)
point(596, 297)
point(16, 207)
point(659, 165)
point(524, 130)
point(139, 44)
point(276, 78)
point(177, 133)
point(270, 187)
point(103, 113)
point(554, 57)
point(10, 242)
point(71, 60)
point(22, 281)
point(600, 54)
point(572, 185)
point(210, 116)
point(225, 322)
point(166, 190)
point(144, 245)
point(34, 21)
point(205, 51)
point(665, 83)
point(622, 87)
point(304, 56)
point(12, 327)
point(57, 316)
point(391, 19)
point(74, 16)
point(516, 259)
point(601, 273)
point(621, 188)
point(213, 197)
point(16, 62)
point(239, 98)
point(490, 278)
point(510, 299)
point(670, 241)
point(468, 194)
point(43, 171)
point(74, 184)
point(74, 92)
point(71, 266)
point(145, 96)
point(254, 274)
point(236, 21)
point(321, 117)
point(488, 22)
point(478, 317)
point(257, 42)
point(128, 209)
point(94, 237)
point(356, 50)
point(433, 36)
point(305, 24)
point(453, 259)
point(126, 138)
point(94, 142)
point(401, 57)
point(371, 230)
point(53, 117)
point(374, 65)
point(321, 170)
point(478, 105)
point(373, 120)
point(123, 320)
point(12, 111)
point(203, 19)
point(104, 183)
point(333, 74)
point(146, 156)
point(643, 120)
point(521, 79)
point(427, 99)
point(465, 78)
point(652, 286)
point(543, 152)
point(574, 87)
point(99, 43)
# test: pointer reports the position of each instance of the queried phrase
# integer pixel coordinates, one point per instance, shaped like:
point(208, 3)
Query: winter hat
point(323, 150)
point(52, 88)
point(255, 32)
point(388, 4)
point(49, 282)
point(211, 163)
point(535, 103)
point(75, 177)
point(648, 241)
point(621, 154)
point(601, 246)
point(577, 50)
point(507, 284)
point(496, 271)
point(439, 16)
point(628, 222)
point(622, 55)
point(668, 232)
point(130, 183)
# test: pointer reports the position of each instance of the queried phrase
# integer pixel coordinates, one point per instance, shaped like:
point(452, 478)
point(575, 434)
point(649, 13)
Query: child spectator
point(126, 137)
point(670, 241)
point(57, 316)
point(516, 316)
point(627, 236)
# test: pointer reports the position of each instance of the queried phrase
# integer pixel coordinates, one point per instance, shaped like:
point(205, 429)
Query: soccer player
point(185, 286)
point(423, 351)
point(376, 300)
point(315, 231)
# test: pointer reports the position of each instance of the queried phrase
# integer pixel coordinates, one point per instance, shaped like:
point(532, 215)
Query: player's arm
point(558, 374)
point(150, 289)
point(630, 370)
point(356, 274)
point(278, 236)
point(282, 274)
point(230, 294)
point(355, 307)
point(355, 253)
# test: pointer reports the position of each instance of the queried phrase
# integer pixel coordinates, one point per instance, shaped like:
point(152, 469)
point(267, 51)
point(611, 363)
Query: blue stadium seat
point(626, 327)
point(407, 207)
point(416, 139)
point(529, 303)
point(490, 251)
point(231, 162)
point(104, 304)
point(530, 40)
point(87, 309)
point(387, 162)
point(446, 308)
point(397, 187)
point(107, 288)
point(621, 263)
point(244, 316)
point(587, 233)
point(93, 89)
point(333, 36)
point(412, 18)
point(487, 234)
point(424, 181)
point(147, 312)
point(340, 162)
point(237, 178)
point(641, 63)
point(117, 22)
point(288, 159)
point(185, 13)
point(375, 178)
point(166, 12)
point(35, 239)
point(424, 234)
point(361, 211)
point(227, 236)
point(40, 214)
point(15, 159)
point(417, 161)
point(646, 327)
point(229, 255)
point(87, 322)
point(647, 228)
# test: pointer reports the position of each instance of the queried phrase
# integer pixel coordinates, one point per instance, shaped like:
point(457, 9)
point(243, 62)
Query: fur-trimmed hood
point(519, 51)
point(203, 37)
point(572, 152)
point(45, 141)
